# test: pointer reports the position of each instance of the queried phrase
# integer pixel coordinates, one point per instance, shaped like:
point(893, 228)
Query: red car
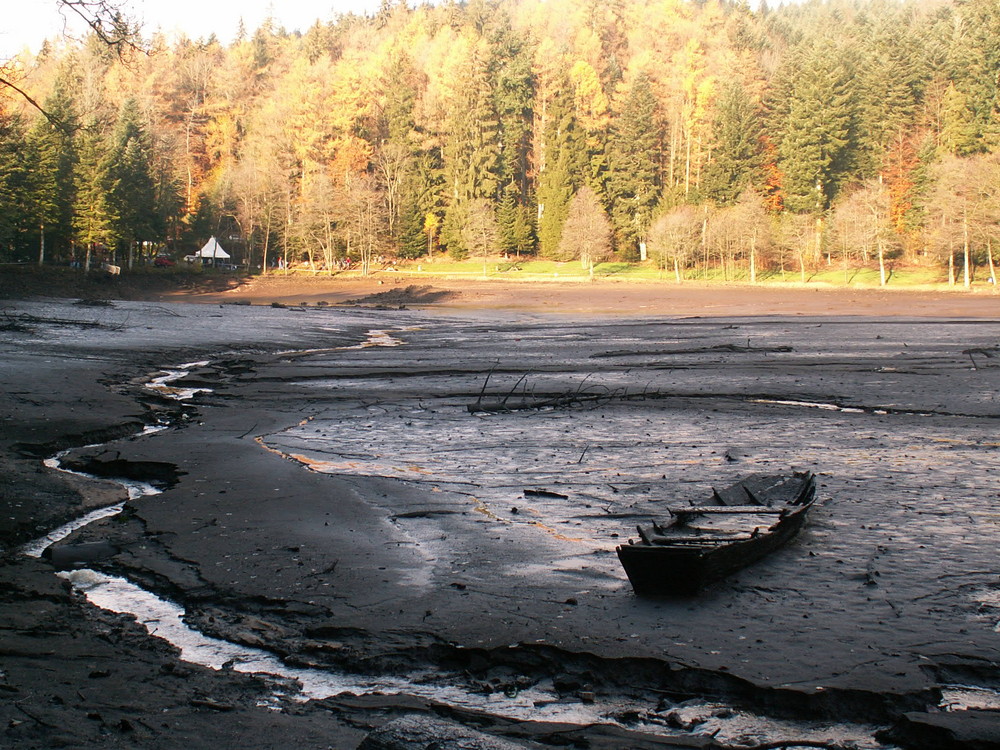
point(162, 261)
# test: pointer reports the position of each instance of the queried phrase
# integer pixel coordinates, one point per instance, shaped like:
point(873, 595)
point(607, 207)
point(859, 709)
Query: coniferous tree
point(633, 184)
point(563, 172)
point(472, 151)
point(817, 130)
point(412, 240)
point(131, 199)
point(50, 143)
point(13, 181)
point(976, 60)
point(513, 90)
point(93, 218)
point(738, 159)
point(887, 101)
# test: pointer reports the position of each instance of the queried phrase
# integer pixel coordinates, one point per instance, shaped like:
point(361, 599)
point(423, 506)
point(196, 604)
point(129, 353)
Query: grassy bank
point(21, 280)
point(512, 270)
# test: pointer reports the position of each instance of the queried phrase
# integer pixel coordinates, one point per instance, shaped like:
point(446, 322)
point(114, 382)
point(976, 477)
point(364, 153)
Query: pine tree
point(633, 184)
point(975, 62)
point(93, 218)
point(738, 159)
point(412, 240)
point(13, 180)
point(50, 144)
point(887, 101)
point(472, 150)
point(959, 135)
point(513, 91)
point(561, 174)
point(817, 131)
point(131, 199)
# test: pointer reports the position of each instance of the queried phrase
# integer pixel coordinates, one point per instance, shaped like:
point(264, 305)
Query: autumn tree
point(674, 238)
point(587, 231)
point(863, 223)
point(480, 231)
point(965, 205)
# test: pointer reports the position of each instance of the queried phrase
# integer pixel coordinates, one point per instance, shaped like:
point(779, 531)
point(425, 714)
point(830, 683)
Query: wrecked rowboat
point(701, 544)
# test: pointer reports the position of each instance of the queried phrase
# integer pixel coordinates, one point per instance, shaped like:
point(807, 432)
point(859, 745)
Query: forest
point(690, 135)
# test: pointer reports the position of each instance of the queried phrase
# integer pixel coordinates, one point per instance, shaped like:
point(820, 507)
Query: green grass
point(532, 269)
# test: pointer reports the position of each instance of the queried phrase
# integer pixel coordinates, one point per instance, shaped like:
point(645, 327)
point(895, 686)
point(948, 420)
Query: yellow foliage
point(588, 96)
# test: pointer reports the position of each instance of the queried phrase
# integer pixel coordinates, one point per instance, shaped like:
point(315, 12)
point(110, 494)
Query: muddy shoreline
point(246, 535)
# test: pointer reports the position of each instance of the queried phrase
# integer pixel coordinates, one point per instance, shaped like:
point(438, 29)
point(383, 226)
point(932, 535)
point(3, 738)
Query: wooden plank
point(725, 510)
point(662, 541)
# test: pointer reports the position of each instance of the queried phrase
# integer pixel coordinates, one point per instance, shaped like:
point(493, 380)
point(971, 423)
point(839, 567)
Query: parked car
point(162, 261)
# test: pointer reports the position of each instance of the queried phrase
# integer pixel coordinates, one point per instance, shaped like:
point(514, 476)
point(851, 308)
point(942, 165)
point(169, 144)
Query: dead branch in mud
point(735, 348)
point(781, 744)
point(529, 400)
point(989, 353)
point(25, 319)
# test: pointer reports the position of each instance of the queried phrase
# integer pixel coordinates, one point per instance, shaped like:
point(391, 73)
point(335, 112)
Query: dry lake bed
point(388, 511)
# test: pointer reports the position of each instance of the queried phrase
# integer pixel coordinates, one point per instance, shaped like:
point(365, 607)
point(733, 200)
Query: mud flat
point(329, 496)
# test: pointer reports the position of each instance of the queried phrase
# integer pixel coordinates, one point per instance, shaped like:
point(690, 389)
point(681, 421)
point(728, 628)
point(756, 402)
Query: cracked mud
point(449, 505)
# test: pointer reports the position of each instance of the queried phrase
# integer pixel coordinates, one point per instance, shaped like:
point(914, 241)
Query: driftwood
point(735, 348)
point(545, 493)
point(26, 318)
point(519, 398)
point(989, 353)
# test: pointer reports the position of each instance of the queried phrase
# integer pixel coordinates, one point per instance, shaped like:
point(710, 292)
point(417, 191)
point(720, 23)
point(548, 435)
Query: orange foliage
point(773, 192)
point(901, 162)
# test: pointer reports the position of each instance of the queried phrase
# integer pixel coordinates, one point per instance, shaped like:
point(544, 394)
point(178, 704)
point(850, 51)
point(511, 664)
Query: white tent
point(212, 249)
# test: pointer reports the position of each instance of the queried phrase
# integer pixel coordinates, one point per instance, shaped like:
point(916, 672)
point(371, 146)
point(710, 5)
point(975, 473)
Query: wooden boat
point(701, 544)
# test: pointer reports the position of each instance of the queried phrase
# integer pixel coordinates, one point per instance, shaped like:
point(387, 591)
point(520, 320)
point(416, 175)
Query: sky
point(28, 22)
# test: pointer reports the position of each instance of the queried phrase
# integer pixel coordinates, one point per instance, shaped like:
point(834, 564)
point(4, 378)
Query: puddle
point(966, 697)
point(373, 338)
point(135, 490)
point(817, 405)
point(162, 383)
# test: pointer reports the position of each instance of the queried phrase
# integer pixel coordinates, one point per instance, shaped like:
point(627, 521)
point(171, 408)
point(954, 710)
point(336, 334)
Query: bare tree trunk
point(881, 263)
point(818, 248)
point(267, 240)
point(673, 152)
point(41, 247)
point(687, 166)
point(704, 239)
point(967, 273)
point(677, 269)
point(753, 257)
point(989, 259)
point(951, 266)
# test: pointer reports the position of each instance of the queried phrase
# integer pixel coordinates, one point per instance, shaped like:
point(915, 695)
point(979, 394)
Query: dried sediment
point(349, 567)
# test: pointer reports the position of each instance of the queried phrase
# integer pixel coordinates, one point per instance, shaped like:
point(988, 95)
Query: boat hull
point(683, 569)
